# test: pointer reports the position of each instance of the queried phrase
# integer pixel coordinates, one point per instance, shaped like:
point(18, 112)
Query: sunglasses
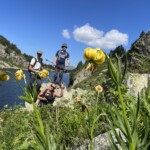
point(53, 86)
point(64, 46)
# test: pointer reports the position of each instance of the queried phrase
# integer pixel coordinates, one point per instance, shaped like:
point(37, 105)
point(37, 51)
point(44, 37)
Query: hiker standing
point(35, 66)
point(61, 58)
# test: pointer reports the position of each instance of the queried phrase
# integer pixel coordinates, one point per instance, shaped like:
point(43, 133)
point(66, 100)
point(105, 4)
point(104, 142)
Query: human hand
point(36, 71)
point(44, 99)
point(62, 86)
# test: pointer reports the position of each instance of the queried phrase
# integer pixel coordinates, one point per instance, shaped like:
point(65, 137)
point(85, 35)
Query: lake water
point(10, 90)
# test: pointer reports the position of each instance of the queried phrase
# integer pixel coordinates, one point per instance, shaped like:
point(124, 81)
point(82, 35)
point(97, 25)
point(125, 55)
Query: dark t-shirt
point(61, 57)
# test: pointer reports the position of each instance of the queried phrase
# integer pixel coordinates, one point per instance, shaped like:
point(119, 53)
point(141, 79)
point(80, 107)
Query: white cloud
point(96, 38)
point(66, 34)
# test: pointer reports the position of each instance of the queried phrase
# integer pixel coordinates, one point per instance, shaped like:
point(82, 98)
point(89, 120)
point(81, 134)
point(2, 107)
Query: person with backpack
point(61, 58)
point(34, 67)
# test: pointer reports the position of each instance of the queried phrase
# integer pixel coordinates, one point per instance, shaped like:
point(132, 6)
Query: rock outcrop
point(138, 55)
point(80, 76)
point(137, 82)
point(142, 45)
point(11, 60)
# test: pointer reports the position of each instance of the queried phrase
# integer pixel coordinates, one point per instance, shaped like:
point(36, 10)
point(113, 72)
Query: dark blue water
point(10, 90)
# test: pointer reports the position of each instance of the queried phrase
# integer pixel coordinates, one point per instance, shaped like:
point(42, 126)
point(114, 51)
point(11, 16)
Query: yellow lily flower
point(19, 75)
point(89, 53)
point(4, 76)
point(99, 88)
point(100, 61)
point(96, 55)
point(43, 73)
point(18, 72)
point(100, 56)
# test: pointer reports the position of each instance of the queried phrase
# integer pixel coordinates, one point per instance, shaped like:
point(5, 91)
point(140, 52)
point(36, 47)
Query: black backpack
point(41, 61)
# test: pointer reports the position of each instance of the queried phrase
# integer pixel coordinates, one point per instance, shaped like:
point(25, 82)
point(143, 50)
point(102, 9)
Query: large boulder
point(137, 82)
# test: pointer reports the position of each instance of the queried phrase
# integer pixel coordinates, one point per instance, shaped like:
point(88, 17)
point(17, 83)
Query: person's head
point(64, 46)
point(52, 87)
point(39, 53)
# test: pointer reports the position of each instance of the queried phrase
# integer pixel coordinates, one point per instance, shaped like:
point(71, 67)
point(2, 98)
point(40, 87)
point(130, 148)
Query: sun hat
point(64, 45)
point(40, 52)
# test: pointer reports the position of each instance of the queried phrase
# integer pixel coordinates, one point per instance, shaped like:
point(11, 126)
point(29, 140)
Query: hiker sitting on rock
point(48, 95)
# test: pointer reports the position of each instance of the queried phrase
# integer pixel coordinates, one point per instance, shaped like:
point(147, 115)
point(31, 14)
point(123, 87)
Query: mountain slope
point(137, 57)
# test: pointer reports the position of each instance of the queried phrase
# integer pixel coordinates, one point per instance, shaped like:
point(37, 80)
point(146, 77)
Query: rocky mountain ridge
point(137, 57)
point(12, 59)
point(138, 54)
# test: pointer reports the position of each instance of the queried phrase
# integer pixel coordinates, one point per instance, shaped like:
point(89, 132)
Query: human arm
point(55, 59)
point(59, 93)
point(40, 95)
point(32, 69)
point(42, 65)
point(32, 64)
point(68, 61)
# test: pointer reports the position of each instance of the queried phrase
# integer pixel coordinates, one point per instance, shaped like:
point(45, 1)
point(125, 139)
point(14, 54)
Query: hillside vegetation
point(12, 57)
point(137, 57)
point(105, 108)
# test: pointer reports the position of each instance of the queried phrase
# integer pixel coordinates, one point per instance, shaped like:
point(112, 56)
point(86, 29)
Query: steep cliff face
point(138, 55)
point(11, 60)
point(142, 45)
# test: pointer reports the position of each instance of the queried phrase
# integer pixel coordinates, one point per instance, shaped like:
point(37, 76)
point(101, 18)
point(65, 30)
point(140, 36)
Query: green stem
point(97, 102)
point(93, 124)
point(125, 118)
point(39, 119)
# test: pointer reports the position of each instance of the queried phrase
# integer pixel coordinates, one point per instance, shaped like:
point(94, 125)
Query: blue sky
point(46, 24)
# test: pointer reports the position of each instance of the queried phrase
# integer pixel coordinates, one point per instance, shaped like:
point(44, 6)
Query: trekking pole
point(51, 63)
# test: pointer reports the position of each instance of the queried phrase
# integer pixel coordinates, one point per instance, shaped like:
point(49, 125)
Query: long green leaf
point(125, 68)
point(119, 139)
point(38, 130)
point(118, 72)
point(112, 142)
point(34, 93)
point(112, 71)
point(118, 121)
point(146, 132)
point(25, 99)
point(38, 119)
point(138, 106)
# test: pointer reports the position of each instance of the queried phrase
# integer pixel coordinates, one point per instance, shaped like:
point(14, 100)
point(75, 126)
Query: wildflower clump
point(78, 99)
point(90, 67)
point(99, 88)
point(43, 73)
point(94, 56)
point(3, 76)
point(19, 75)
